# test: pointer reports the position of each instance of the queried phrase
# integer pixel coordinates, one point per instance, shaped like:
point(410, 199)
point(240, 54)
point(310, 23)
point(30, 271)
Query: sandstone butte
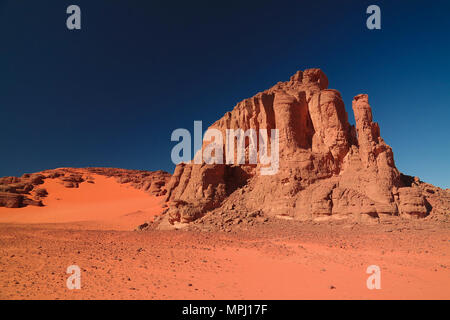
point(327, 167)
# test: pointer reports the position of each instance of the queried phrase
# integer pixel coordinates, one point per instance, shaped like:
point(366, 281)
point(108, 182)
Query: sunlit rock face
point(326, 165)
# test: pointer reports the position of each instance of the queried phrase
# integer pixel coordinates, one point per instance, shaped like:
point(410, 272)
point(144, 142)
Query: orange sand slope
point(105, 204)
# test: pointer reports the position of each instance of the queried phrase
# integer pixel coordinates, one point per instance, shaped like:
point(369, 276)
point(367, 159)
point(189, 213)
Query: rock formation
point(326, 165)
point(16, 192)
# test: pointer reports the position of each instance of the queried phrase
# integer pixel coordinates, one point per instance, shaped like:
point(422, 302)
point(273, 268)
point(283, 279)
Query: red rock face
point(326, 166)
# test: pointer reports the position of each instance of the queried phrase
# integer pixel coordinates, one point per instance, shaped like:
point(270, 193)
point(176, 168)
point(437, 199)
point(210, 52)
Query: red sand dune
point(105, 204)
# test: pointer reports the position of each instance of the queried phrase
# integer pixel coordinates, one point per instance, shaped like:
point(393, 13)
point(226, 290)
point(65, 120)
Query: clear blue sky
point(112, 93)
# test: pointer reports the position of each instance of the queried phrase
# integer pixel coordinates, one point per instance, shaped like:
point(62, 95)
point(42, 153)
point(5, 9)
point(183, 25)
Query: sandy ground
point(278, 259)
point(311, 261)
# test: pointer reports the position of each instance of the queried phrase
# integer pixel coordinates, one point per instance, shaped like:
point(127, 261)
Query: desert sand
point(104, 204)
point(275, 259)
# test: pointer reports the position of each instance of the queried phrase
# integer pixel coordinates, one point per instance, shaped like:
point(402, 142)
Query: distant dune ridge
point(98, 198)
point(20, 192)
point(327, 168)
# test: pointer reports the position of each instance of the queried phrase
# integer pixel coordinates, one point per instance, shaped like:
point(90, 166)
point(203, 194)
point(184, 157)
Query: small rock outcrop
point(17, 192)
point(152, 182)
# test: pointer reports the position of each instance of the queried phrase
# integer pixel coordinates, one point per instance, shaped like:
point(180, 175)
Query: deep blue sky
point(112, 93)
